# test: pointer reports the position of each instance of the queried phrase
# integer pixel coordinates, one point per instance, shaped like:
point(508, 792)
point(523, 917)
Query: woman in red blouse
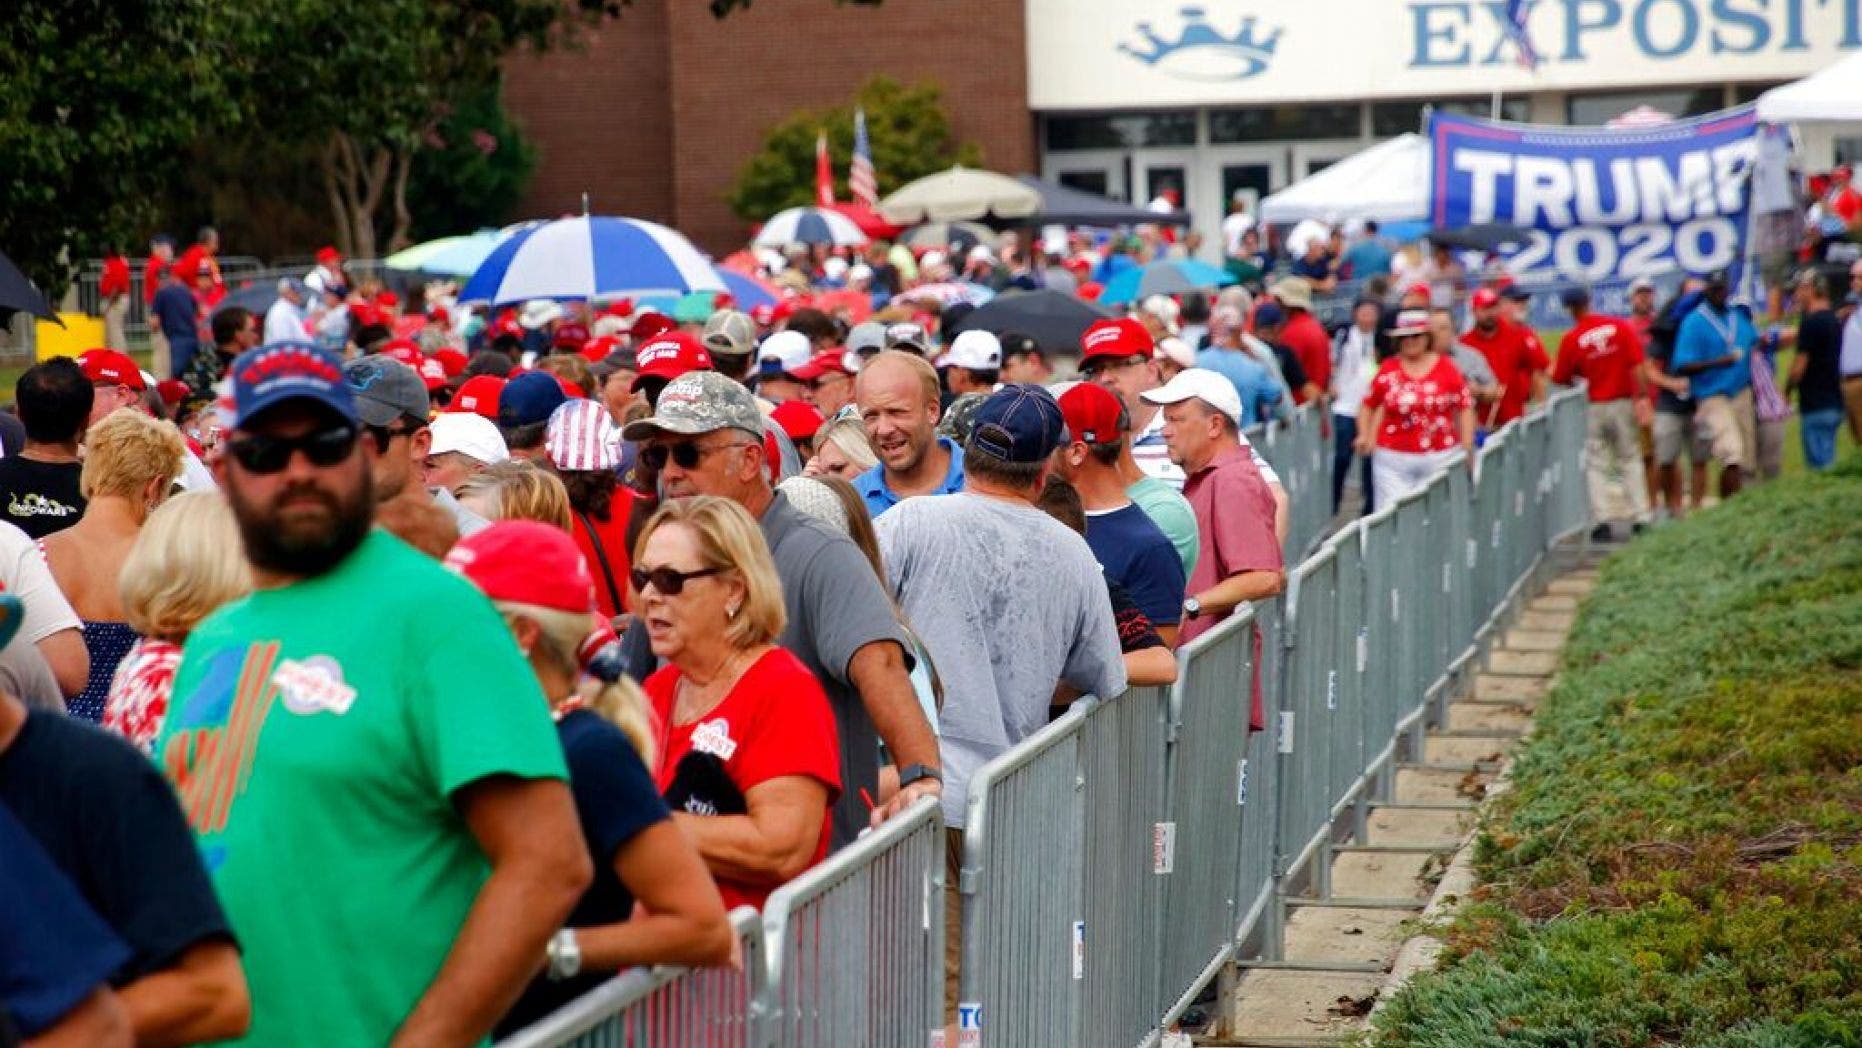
point(1417, 414)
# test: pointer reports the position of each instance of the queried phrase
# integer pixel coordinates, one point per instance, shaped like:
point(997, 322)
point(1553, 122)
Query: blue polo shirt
point(879, 498)
point(1706, 334)
point(1263, 397)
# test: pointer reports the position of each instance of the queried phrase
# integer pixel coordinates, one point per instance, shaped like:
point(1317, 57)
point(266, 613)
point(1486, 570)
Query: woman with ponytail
point(540, 582)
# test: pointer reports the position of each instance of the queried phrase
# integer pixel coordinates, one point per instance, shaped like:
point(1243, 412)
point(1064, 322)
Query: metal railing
point(1120, 858)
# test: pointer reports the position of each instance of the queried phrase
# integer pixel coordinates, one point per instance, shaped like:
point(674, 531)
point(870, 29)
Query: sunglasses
point(668, 582)
point(685, 454)
point(384, 435)
point(1105, 364)
point(261, 454)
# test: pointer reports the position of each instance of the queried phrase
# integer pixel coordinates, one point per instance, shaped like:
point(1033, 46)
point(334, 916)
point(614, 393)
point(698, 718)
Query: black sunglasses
point(324, 447)
point(384, 435)
point(669, 582)
point(685, 454)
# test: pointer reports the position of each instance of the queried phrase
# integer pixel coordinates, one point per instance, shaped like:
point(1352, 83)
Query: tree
point(471, 170)
point(905, 125)
point(99, 100)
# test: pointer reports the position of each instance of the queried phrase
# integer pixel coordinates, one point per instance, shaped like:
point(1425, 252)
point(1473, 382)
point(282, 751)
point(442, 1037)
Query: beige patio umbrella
point(959, 193)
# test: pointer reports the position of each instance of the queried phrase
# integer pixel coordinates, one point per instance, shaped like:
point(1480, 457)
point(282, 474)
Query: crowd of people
point(395, 671)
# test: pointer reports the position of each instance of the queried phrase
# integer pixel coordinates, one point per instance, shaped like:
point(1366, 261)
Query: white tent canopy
point(1831, 94)
point(1389, 182)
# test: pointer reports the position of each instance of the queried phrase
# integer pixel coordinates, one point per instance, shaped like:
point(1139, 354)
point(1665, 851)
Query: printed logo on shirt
point(33, 504)
point(209, 755)
point(314, 685)
point(714, 737)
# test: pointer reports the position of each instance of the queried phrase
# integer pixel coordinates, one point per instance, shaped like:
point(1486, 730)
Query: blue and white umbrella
point(809, 225)
point(590, 257)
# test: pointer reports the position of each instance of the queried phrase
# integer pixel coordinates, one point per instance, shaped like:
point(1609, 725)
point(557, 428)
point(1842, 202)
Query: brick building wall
point(682, 99)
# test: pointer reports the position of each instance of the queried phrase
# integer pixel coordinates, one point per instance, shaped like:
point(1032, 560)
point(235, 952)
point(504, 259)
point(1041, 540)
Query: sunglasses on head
point(258, 453)
point(685, 454)
point(669, 582)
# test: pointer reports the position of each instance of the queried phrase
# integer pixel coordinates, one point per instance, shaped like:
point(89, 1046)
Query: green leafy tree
point(99, 100)
point(470, 171)
point(905, 124)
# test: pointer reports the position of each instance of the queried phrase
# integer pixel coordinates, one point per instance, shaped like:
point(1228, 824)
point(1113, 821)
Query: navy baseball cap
point(1269, 314)
point(276, 372)
point(1018, 423)
point(529, 398)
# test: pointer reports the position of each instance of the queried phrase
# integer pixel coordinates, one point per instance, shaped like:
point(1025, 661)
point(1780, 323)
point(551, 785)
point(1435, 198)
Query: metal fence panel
point(1309, 698)
point(856, 944)
point(1350, 652)
point(700, 1007)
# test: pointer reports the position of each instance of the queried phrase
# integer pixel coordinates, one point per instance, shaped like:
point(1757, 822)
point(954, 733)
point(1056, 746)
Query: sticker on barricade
point(1241, 783)
point(1079, 950)
point(1163, 847)
point(1473, 553)
point(1286, 731)
point(1331, 689)
point(1364, 648)
point(969, 1024)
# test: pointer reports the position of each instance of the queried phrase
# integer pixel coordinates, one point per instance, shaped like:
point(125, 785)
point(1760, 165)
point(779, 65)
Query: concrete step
point(1493, 687)
point(1381, 875)
point(1526, 640)
point(1344, 935)
point(1554, 602)
point(1275, 1005)
point(1429, 785)
point(1475, 717)
point(1464, 749)
point(1417, 826)
point(1571, 585)
point(1550, 621)
point(1522, 663)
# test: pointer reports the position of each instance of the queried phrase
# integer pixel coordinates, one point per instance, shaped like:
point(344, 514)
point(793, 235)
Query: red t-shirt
point(613, 535)
point(189, 264)
point(115, 279)
point(1847, 205)
point(152, 271)
point(1419, 413)
point(1235, 533)
point(1514, 354)
point(1305, 336)
point(775, 723)
point(1607, 353)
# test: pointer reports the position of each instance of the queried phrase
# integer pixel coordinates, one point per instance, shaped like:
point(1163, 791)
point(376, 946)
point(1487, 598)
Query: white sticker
point(312, 686)
point(970, 1024)
point(1496, 534)
point(1364, 648)
point(1241, 783)
point(1396, 604)
point(1079, 950)
point(1163, 847)
point(1519, 503)
point(1473, 553)
point(1286, 731)
point(1447, 586)
point(1331, 689)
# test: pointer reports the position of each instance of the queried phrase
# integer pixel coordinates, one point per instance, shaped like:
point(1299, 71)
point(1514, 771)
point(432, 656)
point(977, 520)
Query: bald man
point(897, 395)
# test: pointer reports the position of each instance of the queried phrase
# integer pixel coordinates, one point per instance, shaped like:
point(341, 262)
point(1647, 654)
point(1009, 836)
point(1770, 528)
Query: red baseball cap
point(822, 363)
point(479, 396)
point(173, 391)
point(326, 255)
point(387, 299)
point(1419, 288)
point(798, 419)
point(526, 562)
point(763, 315)
point(1091, 290)
point(1123, 338)
point(432, 372)
point(439, 315)
point(364, 314)
point(620, 307)
point(507, 326)
point(569, 335)
point(1093, 414)
point(403, 350)
point(452, 360)
point(651, 324)
point(596, 350)
point(107, 365)
point(670, 355)
point(1484, 297)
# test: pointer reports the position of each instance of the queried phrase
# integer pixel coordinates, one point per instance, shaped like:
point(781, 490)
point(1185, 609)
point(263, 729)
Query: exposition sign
point(1602, 204)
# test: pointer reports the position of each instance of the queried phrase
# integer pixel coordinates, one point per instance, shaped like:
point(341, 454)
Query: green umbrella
point(694, 307)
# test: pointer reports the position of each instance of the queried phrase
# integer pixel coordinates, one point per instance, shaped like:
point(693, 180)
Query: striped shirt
point(1767, 401)
point(1153, 457)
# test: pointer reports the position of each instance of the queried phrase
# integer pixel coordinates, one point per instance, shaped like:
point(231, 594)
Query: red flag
point(824, 171)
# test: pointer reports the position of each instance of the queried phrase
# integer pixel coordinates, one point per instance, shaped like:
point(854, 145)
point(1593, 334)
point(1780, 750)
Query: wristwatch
point(917, 773)
point(565, 955)
point(1192, 607)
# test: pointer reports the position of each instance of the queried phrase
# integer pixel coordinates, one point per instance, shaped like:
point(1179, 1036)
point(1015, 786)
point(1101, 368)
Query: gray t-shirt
point(1473, 365)
point(1010, 602)
point(836, 607)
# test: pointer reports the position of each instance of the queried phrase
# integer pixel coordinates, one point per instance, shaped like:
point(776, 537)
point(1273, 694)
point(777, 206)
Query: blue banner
point(1602, 204)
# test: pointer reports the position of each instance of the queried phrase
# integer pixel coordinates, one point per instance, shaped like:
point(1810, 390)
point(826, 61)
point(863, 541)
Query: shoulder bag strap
point(601, 557)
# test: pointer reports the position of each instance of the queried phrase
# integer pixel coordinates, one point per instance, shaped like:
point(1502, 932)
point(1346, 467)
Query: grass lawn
point(1679, 860)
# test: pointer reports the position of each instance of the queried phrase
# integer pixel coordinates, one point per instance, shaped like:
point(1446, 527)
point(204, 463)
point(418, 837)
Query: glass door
point(1096, 171)
point(1250, 171)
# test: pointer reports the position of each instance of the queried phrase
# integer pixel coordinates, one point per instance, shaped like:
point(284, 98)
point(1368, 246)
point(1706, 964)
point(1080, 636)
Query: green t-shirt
point(316, 735)
point(1171, 512)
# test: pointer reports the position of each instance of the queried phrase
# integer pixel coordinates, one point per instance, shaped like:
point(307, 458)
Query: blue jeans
point(1818, 429)
point(1344, 431)
point(181, 354)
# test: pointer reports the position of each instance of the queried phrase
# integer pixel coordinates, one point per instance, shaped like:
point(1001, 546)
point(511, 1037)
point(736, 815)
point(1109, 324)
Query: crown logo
point(1203, 52)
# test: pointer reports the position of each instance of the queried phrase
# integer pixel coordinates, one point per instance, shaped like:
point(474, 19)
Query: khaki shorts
point(1717, 421)
point(1674, 434)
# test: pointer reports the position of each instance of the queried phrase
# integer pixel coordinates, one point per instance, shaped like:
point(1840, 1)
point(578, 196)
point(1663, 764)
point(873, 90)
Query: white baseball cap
point(784, 351)
point(1199, 384)
point(975, 351)
point(474, 436)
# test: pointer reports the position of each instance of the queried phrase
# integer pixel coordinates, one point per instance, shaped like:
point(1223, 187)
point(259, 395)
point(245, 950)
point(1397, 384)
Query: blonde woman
point(184, 565)
point(841, 448)
point(749, 756)
point(517, 490)
point(131, 463)
point(540, 582)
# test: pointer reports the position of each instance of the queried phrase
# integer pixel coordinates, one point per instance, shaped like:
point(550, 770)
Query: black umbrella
point(1490, 236)
point(1067, 206)
point(17, 294)
point(1054, 319)
point(255, 298)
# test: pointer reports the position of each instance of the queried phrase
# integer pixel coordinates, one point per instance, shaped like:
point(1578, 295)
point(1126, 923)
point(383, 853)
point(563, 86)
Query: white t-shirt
point(1234, 227)
point(24, 573)
point(284, 322)
point(1354, 363)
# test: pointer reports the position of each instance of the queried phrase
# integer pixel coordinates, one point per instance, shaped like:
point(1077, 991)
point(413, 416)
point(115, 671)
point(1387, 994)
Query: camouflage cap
point(958, 417)
point(700, 402)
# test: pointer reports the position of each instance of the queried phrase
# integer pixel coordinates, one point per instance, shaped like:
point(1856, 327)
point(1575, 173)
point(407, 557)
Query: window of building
point(1389, 119)
point(1119, 130)
point(1743, 93)
point(1595, 110)
point(1269, 123)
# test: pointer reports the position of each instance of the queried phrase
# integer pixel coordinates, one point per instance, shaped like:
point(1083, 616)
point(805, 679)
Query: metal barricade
point(856, 944)
point(700, 1007)
point(1309, 700)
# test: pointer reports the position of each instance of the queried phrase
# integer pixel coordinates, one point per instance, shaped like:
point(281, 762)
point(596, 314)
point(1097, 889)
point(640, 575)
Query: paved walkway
point(1340, 952)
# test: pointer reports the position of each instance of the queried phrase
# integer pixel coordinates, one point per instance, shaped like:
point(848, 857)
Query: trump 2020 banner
point(1602, 204)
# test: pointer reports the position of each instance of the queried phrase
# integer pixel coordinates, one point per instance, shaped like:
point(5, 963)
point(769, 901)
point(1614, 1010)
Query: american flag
point(862, 182)
point(1517, 13)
